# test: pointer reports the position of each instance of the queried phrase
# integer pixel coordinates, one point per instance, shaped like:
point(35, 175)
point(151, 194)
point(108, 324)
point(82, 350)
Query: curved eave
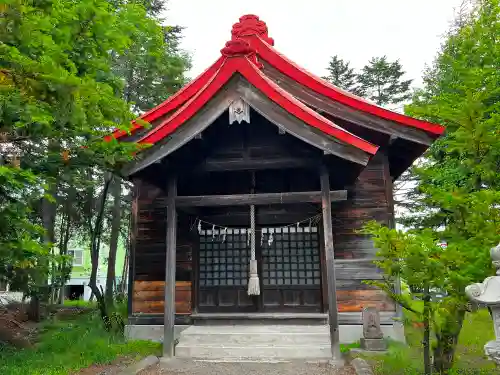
point(174, 101)
point(292, 70)
point(243, 66)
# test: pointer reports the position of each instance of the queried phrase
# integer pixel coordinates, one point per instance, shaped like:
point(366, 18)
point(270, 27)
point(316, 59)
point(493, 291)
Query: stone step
point(260, 353)
point(254, 342)
point(264, 338)
point(256, 329)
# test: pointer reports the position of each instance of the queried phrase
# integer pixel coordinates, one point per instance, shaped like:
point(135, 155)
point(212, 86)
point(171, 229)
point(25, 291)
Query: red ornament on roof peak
point(248, 25)
point(240, 47)
point(237, 47)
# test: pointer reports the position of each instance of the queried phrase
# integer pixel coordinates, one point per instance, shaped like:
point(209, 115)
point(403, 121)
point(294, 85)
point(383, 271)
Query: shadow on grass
point(67, 346)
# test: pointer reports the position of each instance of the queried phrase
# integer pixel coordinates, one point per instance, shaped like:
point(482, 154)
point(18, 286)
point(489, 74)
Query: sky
point(309, 32)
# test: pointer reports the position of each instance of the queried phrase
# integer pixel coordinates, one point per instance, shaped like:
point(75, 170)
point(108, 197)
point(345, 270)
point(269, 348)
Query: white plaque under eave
point(239, 111)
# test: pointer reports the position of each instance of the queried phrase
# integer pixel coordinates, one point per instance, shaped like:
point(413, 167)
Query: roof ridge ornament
point(241, 47)
point(249, 25)
point(237, 47)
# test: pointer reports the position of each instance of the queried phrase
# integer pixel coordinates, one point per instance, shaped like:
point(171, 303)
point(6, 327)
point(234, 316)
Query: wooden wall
point(149, 255)
point(149, 297)
point(369, 199)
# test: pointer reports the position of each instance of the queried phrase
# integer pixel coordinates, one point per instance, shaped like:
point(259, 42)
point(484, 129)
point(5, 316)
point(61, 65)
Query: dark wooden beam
point(292, 125)
point(326, 206)
point(134, 218)
point(263, 216)
point(240, 164)
point(258, 199)
point(170, 264)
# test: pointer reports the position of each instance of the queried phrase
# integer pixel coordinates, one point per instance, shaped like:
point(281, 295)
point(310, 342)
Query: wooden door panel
point(291, 269)
point(223, 271)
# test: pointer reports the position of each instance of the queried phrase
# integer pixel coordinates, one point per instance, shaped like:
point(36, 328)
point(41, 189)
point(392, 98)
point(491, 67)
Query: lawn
point(470, 360)
point(65, 346)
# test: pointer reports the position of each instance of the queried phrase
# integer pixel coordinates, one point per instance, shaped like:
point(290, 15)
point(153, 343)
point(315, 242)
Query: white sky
point(310, 31)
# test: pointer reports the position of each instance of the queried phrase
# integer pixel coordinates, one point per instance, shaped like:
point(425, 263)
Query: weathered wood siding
point(149, 297)
point(369, 199)
point(149, 256)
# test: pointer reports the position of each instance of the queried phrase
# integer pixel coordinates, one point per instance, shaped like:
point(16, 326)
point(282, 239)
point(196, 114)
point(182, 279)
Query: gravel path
point(247, 368)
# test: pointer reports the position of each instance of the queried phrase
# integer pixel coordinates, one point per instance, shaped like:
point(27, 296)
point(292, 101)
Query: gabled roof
point(250, 53)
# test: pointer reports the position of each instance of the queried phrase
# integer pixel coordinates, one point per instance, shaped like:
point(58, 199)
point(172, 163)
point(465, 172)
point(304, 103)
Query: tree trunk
point(34, 308)
point(427, 333)
point(113, 243)
point(49, 210)
point(447, 339)
point(95, 237)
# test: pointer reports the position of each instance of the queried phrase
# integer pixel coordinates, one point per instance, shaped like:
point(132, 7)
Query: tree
point(116, 191)
point(152, 68)
point(457, 197)
point(381, 81)
point(59, 97)
point(341, 75)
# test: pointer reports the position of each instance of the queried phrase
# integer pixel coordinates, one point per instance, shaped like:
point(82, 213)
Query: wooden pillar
point(133, 232)
point(171, 241)
point(391, 221)
point(326, 205)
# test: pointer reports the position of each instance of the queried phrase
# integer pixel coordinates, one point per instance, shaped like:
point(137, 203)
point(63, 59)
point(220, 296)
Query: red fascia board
point(174, 101)
point(192, 106)
point(295, 107)
point(249, 71)
point(292, 70)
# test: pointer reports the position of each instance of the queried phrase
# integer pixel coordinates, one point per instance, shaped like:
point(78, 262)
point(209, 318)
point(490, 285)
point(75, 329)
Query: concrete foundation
point(348, 333)
point(150, 332)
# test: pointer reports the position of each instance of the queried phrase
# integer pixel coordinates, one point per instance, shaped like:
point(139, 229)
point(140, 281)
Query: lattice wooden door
point(223, 271)
point(291, 269)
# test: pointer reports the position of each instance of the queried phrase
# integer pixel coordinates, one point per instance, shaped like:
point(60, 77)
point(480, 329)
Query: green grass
point(470, 360)
point(79, 303)
point(345, 348)
point(67, 346)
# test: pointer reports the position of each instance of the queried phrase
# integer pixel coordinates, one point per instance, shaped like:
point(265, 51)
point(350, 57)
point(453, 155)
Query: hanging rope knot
point(253, 281)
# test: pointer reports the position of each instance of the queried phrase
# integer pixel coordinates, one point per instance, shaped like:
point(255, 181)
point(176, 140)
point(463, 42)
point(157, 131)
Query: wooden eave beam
point(280, 117)
point(258, 199)
point(262, 217)
point(242, 164)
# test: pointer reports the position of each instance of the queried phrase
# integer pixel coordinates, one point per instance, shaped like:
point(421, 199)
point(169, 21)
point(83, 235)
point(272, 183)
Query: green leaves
point(152, 67)
point(457, 196)
point(342, 75)
point(69, 72)
point(381, 81)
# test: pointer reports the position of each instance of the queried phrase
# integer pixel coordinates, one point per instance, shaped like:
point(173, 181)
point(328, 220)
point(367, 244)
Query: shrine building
point(248, 203)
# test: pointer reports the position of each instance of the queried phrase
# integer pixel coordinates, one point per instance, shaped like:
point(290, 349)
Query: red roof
point(249, 45)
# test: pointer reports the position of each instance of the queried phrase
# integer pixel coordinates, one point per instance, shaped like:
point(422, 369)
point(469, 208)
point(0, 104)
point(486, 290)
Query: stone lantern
point(488, 293)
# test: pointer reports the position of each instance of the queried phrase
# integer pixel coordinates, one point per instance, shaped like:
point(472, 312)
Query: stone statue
point(371, 324)
point(373, 338)
point(488, 293)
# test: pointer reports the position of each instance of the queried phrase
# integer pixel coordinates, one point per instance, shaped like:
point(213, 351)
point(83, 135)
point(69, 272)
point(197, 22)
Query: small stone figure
point(373, 338)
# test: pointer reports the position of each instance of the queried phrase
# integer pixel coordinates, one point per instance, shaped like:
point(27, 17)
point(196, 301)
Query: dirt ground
point(111, 369)
point(182, 367)
point(249, 368)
